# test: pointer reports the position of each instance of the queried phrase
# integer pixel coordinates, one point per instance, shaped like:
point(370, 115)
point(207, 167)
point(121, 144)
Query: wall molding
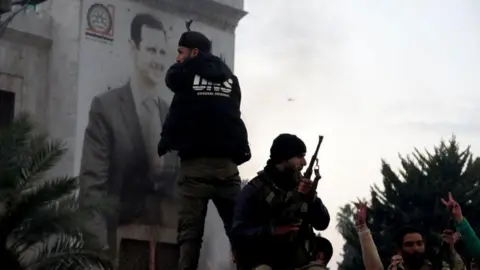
point(215, 14)
point(30, 29)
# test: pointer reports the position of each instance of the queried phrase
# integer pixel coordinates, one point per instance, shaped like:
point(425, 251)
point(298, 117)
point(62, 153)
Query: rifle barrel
point(309, 171)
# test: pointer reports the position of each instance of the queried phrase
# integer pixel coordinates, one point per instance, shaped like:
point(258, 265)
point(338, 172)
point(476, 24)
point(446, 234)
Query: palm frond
point(43, 154)
point(25, 155)
point(14, 137)
point(41, 221)
point(13, 142)
point(66, 252)
point(58, 217)
point(29, 201)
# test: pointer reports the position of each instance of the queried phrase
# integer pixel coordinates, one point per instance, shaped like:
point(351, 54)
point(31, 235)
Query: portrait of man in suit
point(120, 159)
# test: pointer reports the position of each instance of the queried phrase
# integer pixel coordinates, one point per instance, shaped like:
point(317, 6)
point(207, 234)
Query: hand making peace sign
point(361, 215)
point(453, 207)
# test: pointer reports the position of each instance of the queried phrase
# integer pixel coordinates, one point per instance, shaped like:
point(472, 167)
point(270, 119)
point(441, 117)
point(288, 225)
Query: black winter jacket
point(254, 219)
point(204, 118)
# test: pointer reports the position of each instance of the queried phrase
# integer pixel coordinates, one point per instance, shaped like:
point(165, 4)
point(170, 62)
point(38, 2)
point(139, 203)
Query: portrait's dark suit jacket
point(115, 165)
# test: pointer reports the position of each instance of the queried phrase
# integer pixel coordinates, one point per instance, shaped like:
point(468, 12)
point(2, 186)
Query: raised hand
point(453, 207)
point(450, 237)
point(305, 186)
point(361, 215)
point(396, 262)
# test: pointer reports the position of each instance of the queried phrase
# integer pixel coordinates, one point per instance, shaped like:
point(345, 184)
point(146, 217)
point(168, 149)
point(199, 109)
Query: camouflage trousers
point(202, 180)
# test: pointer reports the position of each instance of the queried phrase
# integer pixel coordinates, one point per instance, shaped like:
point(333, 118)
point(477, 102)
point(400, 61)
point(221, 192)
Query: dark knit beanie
point(323, 245)
point(195, 40)
point(285, 147)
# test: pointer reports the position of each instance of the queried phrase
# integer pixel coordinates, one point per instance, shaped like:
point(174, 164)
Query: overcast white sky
point(376, 78)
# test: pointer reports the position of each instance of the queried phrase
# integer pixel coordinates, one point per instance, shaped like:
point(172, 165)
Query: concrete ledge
point(29, 28)
point(212, 12)
point(238, 4)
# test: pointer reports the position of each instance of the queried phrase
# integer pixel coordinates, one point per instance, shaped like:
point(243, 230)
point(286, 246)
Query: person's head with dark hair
point(148, 44)
point(324, 250)
point(191, 44)
point(288, 153)
point(410, 242)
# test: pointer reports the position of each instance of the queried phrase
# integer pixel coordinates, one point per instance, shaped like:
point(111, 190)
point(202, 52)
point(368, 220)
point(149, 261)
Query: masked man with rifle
point(275, 213)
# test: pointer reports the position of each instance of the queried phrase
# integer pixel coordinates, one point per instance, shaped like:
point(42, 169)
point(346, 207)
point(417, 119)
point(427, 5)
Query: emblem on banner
point(100, 20)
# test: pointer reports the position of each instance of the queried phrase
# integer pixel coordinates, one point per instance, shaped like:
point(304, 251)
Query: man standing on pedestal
point(205, 127)
point(120, 160)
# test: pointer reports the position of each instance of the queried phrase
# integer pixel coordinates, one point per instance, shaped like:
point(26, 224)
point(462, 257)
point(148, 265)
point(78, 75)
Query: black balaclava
point(195, 40)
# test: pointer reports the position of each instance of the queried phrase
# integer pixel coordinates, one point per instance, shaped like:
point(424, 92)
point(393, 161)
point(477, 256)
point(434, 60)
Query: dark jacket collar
point(283, 180)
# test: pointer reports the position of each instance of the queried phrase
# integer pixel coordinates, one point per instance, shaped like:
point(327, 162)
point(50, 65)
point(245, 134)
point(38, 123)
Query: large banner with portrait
point(125, 51)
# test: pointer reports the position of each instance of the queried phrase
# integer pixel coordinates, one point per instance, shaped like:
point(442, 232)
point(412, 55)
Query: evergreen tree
point(412, 197)
point(40, 221)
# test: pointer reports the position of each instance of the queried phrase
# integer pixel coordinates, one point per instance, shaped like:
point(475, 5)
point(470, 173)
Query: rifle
point(188, 24)
point(295, 209)
point(302, 208)
point(444, 253)
point(313, 167)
